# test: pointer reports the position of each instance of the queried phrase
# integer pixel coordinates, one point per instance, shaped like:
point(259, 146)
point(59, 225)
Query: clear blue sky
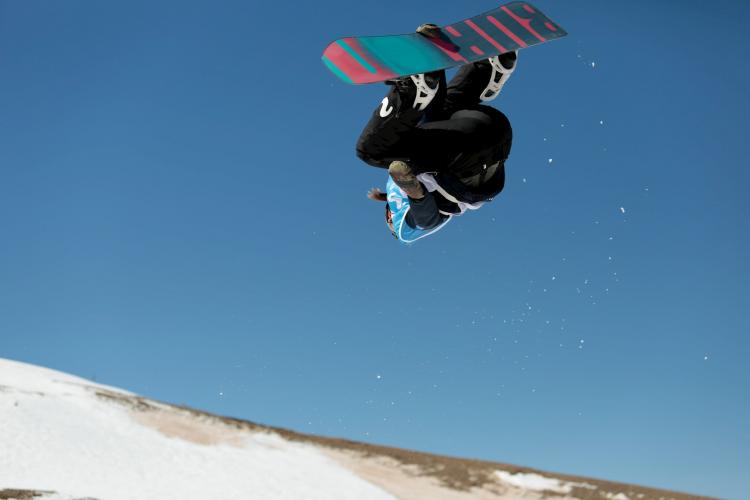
point(183, 215)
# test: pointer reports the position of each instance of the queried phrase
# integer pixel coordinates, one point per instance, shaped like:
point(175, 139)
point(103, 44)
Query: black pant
point(454, 129)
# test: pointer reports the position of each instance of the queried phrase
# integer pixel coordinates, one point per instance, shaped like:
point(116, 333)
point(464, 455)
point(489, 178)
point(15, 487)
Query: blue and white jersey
point(399, 205)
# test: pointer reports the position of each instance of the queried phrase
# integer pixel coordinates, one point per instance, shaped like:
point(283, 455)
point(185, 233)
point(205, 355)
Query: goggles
point(389, 220)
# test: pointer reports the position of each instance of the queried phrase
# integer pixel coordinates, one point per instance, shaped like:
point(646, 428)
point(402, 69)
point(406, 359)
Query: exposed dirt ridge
point(451, 472)
point(21, 494)
point(7, 494)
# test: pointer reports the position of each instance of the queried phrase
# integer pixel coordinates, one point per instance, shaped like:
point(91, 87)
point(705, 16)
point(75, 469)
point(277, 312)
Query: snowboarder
point(444, 150)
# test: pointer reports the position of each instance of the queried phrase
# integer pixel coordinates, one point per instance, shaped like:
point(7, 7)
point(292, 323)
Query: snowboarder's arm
point(376, 194)
point(424, 212)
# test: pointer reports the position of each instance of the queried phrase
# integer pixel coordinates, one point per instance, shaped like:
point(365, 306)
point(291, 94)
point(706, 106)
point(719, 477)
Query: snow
point(534, 482)
point(29, 378)
point(77, 439)
point(57, 435)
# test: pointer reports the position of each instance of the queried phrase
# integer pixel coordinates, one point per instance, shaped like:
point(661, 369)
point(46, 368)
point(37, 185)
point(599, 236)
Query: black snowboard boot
point(418, 91)
point(502, 67)
point(482, 80)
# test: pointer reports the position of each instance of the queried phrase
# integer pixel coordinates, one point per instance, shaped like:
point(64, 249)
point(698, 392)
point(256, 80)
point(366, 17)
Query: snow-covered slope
point(67, 438)
point(58, 434)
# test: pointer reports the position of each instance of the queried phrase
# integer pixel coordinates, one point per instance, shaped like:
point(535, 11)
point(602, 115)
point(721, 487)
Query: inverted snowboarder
point(445, 151)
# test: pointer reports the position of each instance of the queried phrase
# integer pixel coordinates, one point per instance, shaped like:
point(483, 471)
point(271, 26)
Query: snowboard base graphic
point(371, 59)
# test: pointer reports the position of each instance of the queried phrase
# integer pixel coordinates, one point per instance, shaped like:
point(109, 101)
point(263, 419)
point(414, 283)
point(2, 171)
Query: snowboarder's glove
point(375, 194)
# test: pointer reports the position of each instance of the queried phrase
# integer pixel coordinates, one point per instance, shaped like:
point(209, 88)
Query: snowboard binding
point(502, 67)
point(421, 89)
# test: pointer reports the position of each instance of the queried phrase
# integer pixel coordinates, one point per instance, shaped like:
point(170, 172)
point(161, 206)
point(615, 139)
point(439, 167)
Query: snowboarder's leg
point(455, 144)
point(387, 136)
point(478, 82)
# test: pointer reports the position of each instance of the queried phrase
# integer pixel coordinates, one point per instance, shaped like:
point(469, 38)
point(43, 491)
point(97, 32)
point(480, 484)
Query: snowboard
point(371, 59)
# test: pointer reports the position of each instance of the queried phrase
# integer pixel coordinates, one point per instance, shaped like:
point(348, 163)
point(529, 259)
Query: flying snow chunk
point(622, 209)
point(549, 161)
point(593, 64)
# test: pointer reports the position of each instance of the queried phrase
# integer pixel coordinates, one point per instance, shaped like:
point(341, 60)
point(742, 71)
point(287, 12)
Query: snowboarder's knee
point(368, 154)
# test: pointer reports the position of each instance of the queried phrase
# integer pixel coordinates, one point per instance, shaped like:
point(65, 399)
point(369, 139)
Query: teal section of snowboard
point(403, 54)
